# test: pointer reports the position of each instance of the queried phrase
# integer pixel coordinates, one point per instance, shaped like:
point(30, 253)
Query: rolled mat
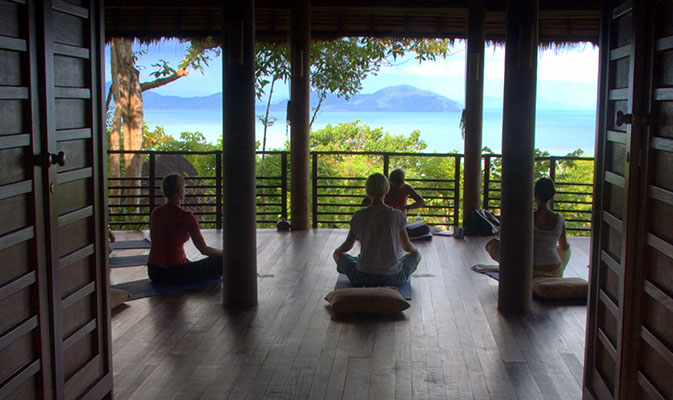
point(147, 288)
point(487, 269)
point(343, 283)
point(128, 261)
point(131, 244)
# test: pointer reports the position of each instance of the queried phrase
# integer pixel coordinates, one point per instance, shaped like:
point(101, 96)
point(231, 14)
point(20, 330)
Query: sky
point(567, 77)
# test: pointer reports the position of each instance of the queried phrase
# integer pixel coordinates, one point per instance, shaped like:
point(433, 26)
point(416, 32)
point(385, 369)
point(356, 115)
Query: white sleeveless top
point(545, 242)
point(378, 228)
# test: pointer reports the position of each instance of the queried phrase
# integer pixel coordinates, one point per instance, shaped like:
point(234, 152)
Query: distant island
point(402, 98)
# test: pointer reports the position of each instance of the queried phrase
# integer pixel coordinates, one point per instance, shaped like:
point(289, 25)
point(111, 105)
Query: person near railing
point(399, 193)
point(551, 250)
point(170, 228)
point(381, 231)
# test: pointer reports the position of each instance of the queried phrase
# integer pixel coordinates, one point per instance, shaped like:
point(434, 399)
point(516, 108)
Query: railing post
point(151, 183)
point(283, 185)
point(386, 164)
point(487, 180)
point(314, 191)
point(218, 190)
point(456, 193)
point(552, 175)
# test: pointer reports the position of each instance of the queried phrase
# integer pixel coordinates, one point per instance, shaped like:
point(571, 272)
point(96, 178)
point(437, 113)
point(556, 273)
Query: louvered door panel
point(54, 322)
point(25, 370)
point(652, 361)
point(73, 100)
point(615, 233)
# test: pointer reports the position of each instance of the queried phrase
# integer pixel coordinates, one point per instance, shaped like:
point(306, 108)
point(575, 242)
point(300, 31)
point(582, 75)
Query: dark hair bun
point(544, 189)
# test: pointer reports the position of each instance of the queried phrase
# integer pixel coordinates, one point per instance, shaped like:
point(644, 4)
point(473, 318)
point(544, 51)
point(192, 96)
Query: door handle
point(624, 118)
point(47, 160)
point(58, 158)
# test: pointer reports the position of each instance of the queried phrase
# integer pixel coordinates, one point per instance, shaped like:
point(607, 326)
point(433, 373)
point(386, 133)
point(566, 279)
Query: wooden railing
point(573, 198)
point(335, 198)
point(131, 199)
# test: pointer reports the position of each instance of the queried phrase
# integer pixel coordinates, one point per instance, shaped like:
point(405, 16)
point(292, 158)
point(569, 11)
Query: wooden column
point(300, 84)
point(474, 104)
point(518, 150)
point(238, 81)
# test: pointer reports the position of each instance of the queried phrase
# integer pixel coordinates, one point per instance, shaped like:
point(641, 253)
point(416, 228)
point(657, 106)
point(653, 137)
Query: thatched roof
point(562, 22)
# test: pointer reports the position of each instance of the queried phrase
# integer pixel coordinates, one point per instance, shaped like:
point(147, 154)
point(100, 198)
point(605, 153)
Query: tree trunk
point(131, 105)
point(115, 130)
point(128, 119)
point(266, 126)
point(266, 123)
point(322, 96)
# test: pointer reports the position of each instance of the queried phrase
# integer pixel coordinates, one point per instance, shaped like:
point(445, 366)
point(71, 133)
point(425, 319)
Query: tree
point(339, 66)
point(126, 91)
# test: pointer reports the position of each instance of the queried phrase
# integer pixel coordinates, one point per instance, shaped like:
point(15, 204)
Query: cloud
point(576, 65)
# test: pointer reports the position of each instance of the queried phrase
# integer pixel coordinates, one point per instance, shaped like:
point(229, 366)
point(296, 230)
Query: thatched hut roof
point(562, 22)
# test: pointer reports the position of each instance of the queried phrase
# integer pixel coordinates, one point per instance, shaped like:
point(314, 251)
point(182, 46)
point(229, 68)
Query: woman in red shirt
point(399, 194)
point(170, 228)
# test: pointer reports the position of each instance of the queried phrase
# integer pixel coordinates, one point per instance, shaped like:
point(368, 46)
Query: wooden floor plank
point(451, 344)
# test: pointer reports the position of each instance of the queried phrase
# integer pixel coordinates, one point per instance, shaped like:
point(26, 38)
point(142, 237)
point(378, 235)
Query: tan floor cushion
point(560, 288)
point(118, 297)
point(373, 300)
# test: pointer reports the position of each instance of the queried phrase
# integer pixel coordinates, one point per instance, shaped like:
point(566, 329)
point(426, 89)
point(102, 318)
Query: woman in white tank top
point(549, 234)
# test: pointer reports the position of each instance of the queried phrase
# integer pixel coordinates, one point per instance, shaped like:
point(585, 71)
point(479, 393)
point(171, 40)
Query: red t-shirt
point(170, 228)
point(397, 198)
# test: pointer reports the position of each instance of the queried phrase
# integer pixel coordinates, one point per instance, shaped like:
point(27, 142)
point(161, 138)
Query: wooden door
point(648, 360)
point(615, 220)
point(25, 370)
point(54, 319)
point(629, 338)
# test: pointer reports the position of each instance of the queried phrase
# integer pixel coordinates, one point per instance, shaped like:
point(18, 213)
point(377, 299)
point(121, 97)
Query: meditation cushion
point(560, 288)
point(418, 231)
point(118, 297)
point(371, 300)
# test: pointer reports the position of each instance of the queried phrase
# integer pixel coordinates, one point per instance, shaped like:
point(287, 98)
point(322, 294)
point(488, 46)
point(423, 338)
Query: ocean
point(557, 131)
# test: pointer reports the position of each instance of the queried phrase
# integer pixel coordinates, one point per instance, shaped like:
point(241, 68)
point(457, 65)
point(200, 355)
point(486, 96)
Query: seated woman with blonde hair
point(382, 234)
point(170, 228)
point(551, 250)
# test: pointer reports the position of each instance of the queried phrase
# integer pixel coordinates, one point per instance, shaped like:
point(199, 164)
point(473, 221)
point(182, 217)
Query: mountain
point(155, 101)
point(402, 98)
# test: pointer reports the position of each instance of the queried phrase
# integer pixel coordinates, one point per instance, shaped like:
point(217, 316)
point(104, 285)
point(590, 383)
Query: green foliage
point(197, 55)
point(341, 176)
point(573, 177)
point(189, 141)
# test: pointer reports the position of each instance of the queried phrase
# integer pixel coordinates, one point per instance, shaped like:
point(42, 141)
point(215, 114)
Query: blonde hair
point(377, 185)
point(172, 185)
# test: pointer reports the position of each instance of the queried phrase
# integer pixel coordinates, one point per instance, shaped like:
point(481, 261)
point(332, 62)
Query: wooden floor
point(451, 344)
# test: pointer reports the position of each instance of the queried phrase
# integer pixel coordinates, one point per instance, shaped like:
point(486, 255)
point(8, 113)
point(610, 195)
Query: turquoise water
point(557, 131)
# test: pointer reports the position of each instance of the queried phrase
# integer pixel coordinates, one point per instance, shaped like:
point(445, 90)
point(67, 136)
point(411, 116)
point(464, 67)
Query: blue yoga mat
point(131, 244)
point(128, 261)
point(343, 283)
point(147, 288)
